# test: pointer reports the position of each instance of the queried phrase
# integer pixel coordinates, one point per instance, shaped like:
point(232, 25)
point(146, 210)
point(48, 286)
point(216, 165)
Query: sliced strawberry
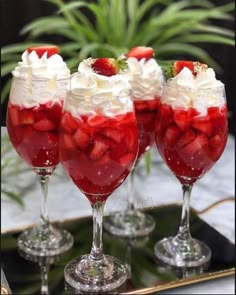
point(126, 159)
point(40, 50)
point(82, 139)
point(69, 142)
point(186, 138)
point(140, 52)
point(195, 145)
point(181, 118)
point(98, 150)
point(14, 115)
point(44, 125)
point(202, 124)
point(113, 134)
point(172, 134)
point(107, 66)
point(26, 117)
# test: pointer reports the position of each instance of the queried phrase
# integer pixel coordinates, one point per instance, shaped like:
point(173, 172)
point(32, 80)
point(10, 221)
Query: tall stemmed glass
point(33, 131)
point(98, 147)
point(133, 222)
point(190, 139)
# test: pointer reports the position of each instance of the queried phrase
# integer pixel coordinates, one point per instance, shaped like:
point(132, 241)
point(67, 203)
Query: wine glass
point(33, 131)
point(133, 222)
point(98, 147)
point(190, 139)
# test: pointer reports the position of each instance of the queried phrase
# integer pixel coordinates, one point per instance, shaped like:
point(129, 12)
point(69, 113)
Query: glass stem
point(131, 190)
point(184, 232)
point(44, 277)
point(44, 179)
point(97, 251)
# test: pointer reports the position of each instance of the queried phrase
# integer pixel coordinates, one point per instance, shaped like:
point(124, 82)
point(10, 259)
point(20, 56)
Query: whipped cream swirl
point(146, 78)
point(200, 91)
point(91, 93)
point(39, 80)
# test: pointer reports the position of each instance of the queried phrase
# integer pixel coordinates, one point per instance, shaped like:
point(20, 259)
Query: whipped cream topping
point(39, 80)
point(200, 91)
point(146, 78)
point(91, 93)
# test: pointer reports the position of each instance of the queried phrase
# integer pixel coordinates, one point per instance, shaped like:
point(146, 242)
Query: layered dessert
point(35, 105)
point(191, 126)
point(98, 140)
point(146, 79)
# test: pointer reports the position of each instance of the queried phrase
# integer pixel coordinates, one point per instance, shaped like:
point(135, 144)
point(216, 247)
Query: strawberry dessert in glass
point(191, 133)
point(34, 112)
point(146, 79)
point(98, 147)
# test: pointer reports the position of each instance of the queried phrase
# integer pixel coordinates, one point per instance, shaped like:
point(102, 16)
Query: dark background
point(17, 13)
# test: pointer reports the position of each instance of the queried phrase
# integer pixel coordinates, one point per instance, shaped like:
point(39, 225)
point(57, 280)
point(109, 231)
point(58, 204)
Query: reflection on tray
point(27, 275)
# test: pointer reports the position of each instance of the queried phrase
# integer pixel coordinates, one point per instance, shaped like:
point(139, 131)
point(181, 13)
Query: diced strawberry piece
point(54, 113)
point(69, 142)
point(153, 104)
point(215, 141)
point(96, 120)
point(195, 145)
point(172, 135)
point(140, 105)
point(44, 125)
point(26, 117)
point(182, 119)
point(140, 52)
point(106, 158)
point(81, 138)
point(202, 124)
point(14, 115)
point(186, 138)
point(69, 123)
point(126, 159)
point(40, 50)
point(113, 134)
point(98, 150)
point(130, 138)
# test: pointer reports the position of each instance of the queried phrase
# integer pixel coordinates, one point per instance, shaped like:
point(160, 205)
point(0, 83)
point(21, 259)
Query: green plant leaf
point(209, 38)
point(13, 196)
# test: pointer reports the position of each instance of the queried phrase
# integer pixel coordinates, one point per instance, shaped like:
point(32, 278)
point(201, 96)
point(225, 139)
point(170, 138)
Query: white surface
point(160, 187)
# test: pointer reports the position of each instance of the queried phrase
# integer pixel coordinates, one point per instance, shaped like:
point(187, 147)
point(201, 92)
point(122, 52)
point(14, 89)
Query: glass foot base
point(129, 224)
point(181, 253)
point(45, 241)
point(86, 275)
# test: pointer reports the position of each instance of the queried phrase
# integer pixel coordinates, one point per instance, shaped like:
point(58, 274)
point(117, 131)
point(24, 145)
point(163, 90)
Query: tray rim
point(206, 276)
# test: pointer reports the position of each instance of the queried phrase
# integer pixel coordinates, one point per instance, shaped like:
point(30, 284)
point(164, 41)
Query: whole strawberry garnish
point(179, 65)
point(108, 66)
point(140, 52)
point(40, 50)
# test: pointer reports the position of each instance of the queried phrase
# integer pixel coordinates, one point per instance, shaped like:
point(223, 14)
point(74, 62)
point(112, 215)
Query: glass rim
point(202, 88)
point(42, 79)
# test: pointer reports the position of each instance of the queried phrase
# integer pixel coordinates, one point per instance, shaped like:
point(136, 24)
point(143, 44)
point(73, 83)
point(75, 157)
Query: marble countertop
point(65, 201)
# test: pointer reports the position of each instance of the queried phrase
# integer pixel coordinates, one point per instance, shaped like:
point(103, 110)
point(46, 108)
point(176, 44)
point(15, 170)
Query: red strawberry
point(26, 117)
point(113, 134)
point(108, 66)
point(69, 123)
point(186, 138)
point(14, 115)
point(193, 66)
point(195, 145)
point(69, 142)
point(44, 125)
point(215, 141)
point(126, 159)
point(140, 52)
point(172, 134)
point(98, 150)
point(105, 159)
point(40, 50)
point(81, 138)
point(202, 124)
